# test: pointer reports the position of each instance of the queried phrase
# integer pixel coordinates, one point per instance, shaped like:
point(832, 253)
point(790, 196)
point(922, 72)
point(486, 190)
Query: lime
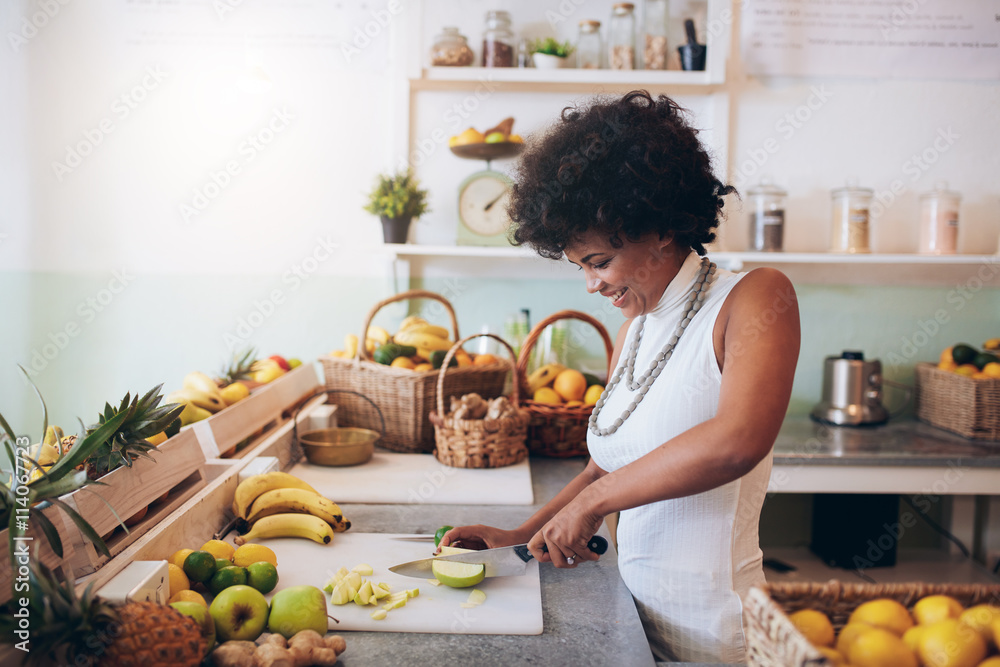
point(262, 575)
point(440, 533)
point(199, 566)
point(984, 358)
point(963, 353)
point(221, 563)
point(226, 577)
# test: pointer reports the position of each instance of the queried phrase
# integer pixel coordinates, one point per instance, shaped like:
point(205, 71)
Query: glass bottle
point(939, 221)
point(498, 40)
point(655, 45)
point(451, 49)
point(767, 217)
point(588, 45)
point(851, 222)
point(621, 36)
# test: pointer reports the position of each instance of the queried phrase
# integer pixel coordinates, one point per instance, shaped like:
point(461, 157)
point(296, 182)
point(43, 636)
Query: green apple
point(458, 575)
point(495, 138)
point(200, 614)
point(239, 612)
point(297, 608)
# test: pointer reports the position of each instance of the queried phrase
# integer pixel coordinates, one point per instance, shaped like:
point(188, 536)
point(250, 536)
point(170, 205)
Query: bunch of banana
point(201, 398)
point(543, 376)
point(421, 334)
point(277, 504)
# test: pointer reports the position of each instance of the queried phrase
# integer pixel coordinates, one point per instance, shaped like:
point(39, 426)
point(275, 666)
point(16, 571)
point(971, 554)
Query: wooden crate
point(38, 547)
point(266, 407)
point(176, 467)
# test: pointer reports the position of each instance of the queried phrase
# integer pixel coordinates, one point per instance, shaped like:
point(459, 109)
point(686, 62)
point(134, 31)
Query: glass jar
point(451, 49)
point(621, 36)
point(939, 221)
point(655, 46)
point(588, 45)
point(767, 217)
point(851, 211)
point(498, 40)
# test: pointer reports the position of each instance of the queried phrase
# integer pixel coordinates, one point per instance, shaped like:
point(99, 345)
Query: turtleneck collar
point(677, 292)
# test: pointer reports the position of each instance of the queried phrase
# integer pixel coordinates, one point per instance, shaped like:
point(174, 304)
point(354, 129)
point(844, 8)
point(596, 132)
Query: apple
point(239, 612)
point(200, 614)
point(297, 608)
point(495, 138)
point(458, 575)
point(294, 362)
point(281, 362)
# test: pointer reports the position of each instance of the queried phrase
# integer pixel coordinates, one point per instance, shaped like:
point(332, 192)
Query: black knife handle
point(597, 544)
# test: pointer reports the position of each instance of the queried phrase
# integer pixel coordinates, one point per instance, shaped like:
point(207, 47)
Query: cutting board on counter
point(394, 478)
point(513, 604)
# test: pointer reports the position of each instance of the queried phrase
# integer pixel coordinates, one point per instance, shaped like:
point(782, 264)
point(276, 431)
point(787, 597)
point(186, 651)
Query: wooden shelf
point(432, 77)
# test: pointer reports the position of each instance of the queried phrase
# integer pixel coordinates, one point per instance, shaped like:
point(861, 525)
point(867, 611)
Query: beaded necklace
point(698, 294)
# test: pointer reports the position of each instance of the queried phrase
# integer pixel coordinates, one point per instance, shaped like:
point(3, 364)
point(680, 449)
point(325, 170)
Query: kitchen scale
point(483, 196)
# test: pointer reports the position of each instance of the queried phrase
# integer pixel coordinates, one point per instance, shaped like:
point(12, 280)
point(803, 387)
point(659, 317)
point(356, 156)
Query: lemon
point(594, 392)
point(833, 655)
point(934, 608)
point(178, 581)
point(848, 634)
point(880, 648)
point(219, 549)
point(946, 357)
point(254, 553)
point(814, 626)
point(912, 637)
point(547, 395)
point(188, 596)
point(157, 439)
point(570, 385)
point(883, 613)
point(968, 370)
point(990, 662)
point(178, 557)
point(950, 643)
point(980, 618)
point(458, 575)
point(469, 136)
point(992, 370)
point(403, 362)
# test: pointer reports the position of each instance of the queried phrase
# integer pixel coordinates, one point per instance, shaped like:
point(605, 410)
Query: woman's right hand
point(480, 537)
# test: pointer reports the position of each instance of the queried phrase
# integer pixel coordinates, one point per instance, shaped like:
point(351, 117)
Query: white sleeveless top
point(687, 561)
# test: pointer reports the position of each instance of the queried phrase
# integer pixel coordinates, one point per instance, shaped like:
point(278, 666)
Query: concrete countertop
point(898, 443)
point(589, 615)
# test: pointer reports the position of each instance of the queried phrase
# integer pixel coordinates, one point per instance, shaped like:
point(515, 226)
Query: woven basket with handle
point(406, 398)
point(967, 406)
point(556, 430)
point(773, 641)
point(479, 443)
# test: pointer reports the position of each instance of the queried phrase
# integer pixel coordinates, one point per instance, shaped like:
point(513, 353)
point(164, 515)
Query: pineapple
point(241, 367)
point(68, 628)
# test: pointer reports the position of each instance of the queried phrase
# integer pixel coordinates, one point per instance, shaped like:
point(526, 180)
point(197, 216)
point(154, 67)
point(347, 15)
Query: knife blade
point(415, 538)
point(501, 562)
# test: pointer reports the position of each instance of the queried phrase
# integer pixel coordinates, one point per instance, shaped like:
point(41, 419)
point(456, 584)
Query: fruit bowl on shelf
point(484, 151)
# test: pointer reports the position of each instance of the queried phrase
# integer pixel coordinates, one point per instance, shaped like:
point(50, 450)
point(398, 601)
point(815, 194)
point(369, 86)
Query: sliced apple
point(433, 582)
point(340, 594)
point(451, 551)
point(379, 614)
point(354, 579)
point(414, 592)
point(364, 594)
point(364, 570)
point(477, 597)
point(458, 575)
point(394, 605)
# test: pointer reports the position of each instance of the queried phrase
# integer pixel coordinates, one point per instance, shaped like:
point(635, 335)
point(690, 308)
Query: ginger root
point(474, 406)
point(305, 648)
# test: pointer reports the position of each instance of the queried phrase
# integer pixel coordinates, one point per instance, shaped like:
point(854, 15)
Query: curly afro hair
point(625, 167)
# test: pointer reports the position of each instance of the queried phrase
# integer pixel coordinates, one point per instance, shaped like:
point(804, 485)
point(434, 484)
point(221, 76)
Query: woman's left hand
point(566, 535)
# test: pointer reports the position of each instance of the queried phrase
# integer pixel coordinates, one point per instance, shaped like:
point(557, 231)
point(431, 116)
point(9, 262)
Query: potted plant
point(397, 199)
point(548, 53)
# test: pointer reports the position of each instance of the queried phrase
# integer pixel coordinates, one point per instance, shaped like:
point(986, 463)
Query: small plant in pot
point(548, 53)
point(397, 199)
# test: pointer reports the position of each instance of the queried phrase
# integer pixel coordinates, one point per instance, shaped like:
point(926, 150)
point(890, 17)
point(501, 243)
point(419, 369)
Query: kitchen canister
point(498, 40)
point(851, 231)
point(939, 221)
point(588, 45)
point(767, 217)
point(451, 49)
point(621, 36)
point(655, 43)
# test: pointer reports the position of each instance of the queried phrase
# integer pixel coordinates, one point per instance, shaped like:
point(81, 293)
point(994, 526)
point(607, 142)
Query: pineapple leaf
point(86, 443)
point(50, 531)
point(7, 429)
point(85, 527)
point(45, 409)
point(47, 489)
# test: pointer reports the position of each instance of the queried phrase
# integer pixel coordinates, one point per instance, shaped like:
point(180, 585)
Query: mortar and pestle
point(692, 54)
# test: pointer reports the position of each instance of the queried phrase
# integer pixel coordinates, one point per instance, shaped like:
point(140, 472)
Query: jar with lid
point(851, 211)
point(621, 36)
point(498, 40)
point(588, 45)
point(939, 221)
point(655, 43)
point(767, 217)
point(451, 49)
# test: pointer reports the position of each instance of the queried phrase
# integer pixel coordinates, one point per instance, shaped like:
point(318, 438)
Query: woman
point(681, 439)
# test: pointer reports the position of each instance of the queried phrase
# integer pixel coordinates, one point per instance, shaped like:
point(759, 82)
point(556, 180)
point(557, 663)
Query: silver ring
point(571, 560)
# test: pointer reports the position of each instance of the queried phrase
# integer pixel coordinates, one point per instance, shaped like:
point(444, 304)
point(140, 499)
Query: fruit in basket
point(468, 136)
point(248, 554)
point(963, 353)
point(239, 612)
point(981, 619)
point(883, 613)
point(814, 626)
point(833, 655)
point(848, 634)
point(547, 395)
point(570, 385)
point(204, 620)
point(234, 392)
point(437, 359)
point(403, 362)
point(932, 608)
point(495, 138)
point(298, 608)
point(950, 643)
point(880, 648)
point(281, 361)
point(543, 376)
point(289, 525)
point(266, 370)
point(593, 394)
point(200, 382)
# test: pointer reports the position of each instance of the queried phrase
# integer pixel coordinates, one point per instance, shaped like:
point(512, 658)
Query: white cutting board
point(393, 478)
point(513, 604)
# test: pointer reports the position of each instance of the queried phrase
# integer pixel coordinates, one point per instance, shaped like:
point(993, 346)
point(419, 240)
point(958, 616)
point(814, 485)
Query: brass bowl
point(346, 446)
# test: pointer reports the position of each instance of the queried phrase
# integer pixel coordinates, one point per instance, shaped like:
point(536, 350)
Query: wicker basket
point(406, 398)
point(772, 640)
point(479, 443)
point(556, 430)
point(956, 403)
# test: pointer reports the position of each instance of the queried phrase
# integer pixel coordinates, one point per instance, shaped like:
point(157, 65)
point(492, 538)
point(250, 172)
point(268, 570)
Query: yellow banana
point(252, 487)
point(411, 321)
point(53, 436)
point(289, 525)
point(423, 340)
point(378, 334)
point(280, 501)
point(350, 346)
point(200, 382)
point(196, 397)
point(430, 330)
point(543, 376)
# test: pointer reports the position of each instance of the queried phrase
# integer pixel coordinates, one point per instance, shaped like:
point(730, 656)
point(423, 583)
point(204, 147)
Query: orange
point(547, 395)
point(933, 608)
point(814, 626)
point(950, 643)
point(968, 370)
point(485, 360)
point(947, 365)
point(463, 359)
point(570, 385)
point(992, 370)
point(946, 357)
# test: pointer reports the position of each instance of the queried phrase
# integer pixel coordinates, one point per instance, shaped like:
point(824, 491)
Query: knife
point(501, 562)
point(415, 538)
